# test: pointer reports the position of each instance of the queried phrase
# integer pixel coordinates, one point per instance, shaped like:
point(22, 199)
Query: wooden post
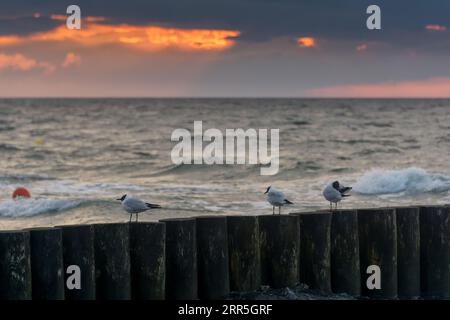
point(181, 259)
point(378, 249)
point(47, 264)
point(280, 250)
point(15, 265)
point(112, 261)
point(78, 252)
point(315, 250)
point(435, 251)
point(244, 252)
point(213, 270)
point(345, 271)
point(408, 252)
point(148, 260)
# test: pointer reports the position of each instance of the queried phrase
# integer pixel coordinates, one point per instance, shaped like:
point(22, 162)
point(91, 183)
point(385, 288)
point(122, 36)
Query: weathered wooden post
point(181, 259)
point(47, 264)
point(435, 251)
point(15, 265)
point(112, 261)
point(213, 269)
point(280, 250)
point(345, 271)
point(78, 256)
point(148, 260)
point(244, 252)
point(408, 252)
point(315, 250)
point(378, 249)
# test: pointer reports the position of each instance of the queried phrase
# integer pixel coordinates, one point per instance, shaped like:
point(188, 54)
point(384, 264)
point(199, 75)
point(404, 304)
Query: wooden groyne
point(380, 253)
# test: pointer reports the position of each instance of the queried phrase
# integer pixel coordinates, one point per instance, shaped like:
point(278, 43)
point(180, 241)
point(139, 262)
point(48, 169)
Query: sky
point(225, 48)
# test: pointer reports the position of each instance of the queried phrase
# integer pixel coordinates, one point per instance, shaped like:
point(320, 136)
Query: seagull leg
point(331, 206)
point(279, 210)
point(131, 215)
point(273, 210)
point(137, 217)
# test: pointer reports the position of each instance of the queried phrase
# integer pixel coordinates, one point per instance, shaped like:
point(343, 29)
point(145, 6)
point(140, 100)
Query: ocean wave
point(8, 147)
point(24, 177)
point(6, 127)
point(377, 124)
point(410, 180)
point(301, 122)
point(196, 168)
point(33, 207)
point(71, 187)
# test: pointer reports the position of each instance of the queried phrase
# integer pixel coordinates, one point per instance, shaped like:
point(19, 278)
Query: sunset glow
point(306, 42)
point(20, 62)
point(71, 59)
point(140, 37)
point(427, 88)
point(435, 27)
point(362, 47)
point(61, 17)
point(10, 40)
point(224, 49)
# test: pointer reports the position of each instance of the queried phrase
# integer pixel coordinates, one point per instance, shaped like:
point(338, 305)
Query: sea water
point(76, 156)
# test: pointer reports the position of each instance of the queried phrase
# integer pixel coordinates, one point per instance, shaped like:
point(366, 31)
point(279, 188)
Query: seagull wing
point(276, 197)
point(134, 204)
point(344, 190)
point(331, 194)
point(153, 206)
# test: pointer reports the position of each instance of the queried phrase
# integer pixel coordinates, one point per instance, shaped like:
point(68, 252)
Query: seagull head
point(268, 188)
point(123, 198)
point(336, 185)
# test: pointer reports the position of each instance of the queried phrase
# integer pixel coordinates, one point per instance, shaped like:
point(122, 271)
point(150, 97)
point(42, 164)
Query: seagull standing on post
point(276, 198)
point(136, 206)
point(335, 192)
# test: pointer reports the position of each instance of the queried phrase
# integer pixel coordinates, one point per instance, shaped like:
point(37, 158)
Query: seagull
point(133, 205)
point(276, 198)
point(335, 192)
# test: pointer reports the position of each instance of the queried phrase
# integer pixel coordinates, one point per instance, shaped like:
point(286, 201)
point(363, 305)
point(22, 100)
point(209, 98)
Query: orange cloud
point(71, 59)
point(428, 88)
point(141, 37)
point(61, 17)
point(22, 63)
point(362, 47)
point(435, 27)
point(10, 40)
point(306, 42)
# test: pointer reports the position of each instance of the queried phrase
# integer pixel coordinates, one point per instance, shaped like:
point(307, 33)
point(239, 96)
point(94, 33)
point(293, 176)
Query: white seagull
point(276, 198)
point(133, 205)
point(335, 192)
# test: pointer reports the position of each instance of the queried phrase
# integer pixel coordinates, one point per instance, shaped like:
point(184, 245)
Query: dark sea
point(76, 156)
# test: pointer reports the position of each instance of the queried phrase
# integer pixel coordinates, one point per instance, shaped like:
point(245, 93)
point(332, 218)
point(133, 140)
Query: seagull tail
point(345, 190)
point(287, 201)
point(153, 206)
point(346, 195)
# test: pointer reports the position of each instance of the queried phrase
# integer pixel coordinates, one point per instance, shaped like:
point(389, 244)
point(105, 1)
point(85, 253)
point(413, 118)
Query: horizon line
point(223, 97)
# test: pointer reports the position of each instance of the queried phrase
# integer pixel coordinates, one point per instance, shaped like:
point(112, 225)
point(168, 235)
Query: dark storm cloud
point(258, 20)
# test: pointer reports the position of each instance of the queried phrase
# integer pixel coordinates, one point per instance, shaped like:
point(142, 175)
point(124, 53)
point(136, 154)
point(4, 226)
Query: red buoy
point(21, 193)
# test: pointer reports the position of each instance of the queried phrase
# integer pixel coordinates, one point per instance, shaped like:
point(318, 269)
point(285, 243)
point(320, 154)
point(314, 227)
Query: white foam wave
point(73, 188)
point(408, 181)
point(33, 207)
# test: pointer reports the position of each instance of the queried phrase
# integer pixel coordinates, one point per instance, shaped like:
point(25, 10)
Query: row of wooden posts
point(207, 257)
